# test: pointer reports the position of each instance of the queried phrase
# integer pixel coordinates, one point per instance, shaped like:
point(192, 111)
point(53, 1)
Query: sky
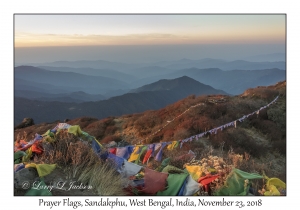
point(146, 38)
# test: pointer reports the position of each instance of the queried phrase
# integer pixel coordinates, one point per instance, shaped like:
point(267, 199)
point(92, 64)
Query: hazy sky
point(142, 38)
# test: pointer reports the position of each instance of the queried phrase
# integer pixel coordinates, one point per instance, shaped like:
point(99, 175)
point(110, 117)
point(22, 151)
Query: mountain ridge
point(175, 84)
point(77, 97)
point(69, 80)
point(124, 104)
point(241, 64)
point(233, 82)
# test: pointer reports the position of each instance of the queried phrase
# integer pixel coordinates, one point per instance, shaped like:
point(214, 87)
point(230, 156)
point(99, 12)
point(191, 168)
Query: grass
point(79, 162)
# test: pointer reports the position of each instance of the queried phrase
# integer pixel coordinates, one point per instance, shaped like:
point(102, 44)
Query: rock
point(25, 123)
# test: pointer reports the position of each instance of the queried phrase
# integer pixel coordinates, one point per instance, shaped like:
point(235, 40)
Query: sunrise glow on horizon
point(97, 30)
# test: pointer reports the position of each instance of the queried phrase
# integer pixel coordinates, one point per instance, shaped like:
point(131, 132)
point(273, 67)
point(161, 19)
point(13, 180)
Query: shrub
point(79, 162)
point(269, 128)
point(181, 133)
point(240, 141)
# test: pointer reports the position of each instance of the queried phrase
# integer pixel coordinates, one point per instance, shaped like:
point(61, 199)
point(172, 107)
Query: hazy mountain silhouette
point(233, 82)
point(96, 64)
point(267, 57)
point(76, 97)
point(181, 84)
point(150, 71)
point(69, 81)
point(94, 72)
point(21, 84)
point(177, 64)
point(225, 65)
point(169, 93)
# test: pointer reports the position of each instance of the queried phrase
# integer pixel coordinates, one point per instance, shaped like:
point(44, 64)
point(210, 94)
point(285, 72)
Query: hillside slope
point(255, 145)
point(213, 111)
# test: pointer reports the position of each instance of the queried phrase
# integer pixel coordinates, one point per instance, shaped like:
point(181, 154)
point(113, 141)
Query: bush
point(268, 128)
point(238, 140)
point(79, 162)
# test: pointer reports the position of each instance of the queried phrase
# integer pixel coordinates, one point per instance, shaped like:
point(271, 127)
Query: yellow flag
point(42, 169)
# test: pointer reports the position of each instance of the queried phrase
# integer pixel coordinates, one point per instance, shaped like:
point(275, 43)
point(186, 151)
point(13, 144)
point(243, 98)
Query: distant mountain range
point(267, 57)
point(95, 64)
point(76, 97)
point(149, 97)
point(102, 88)
point(223, 65)
point(67, 81)
point(110, 73)
point(233, 82)
point(41, 80)
point(172, 65)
